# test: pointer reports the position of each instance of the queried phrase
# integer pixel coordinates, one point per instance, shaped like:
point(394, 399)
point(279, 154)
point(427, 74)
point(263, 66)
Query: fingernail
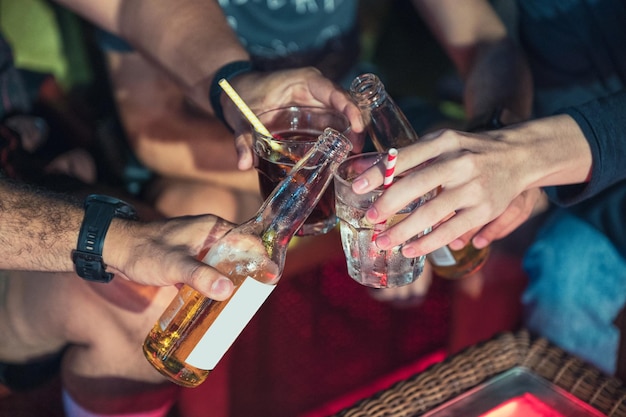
point(360, 184)
point(456, 244)
point(409, 252)
point(223, 287)
point(383, 242)
point(371, 215)
point(480, 242)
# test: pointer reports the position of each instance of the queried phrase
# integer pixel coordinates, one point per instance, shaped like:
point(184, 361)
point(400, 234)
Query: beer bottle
point(194, 332)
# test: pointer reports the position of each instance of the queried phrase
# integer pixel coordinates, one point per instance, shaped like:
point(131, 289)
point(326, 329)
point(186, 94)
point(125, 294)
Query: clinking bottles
point(194, 331)
point(388, 127)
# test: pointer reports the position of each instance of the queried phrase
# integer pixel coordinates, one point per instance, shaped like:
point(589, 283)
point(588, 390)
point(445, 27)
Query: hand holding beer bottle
point(194, 331)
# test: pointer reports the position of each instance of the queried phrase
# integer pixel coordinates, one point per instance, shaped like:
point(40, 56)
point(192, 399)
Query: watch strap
point(227, 72)
point(99, 212)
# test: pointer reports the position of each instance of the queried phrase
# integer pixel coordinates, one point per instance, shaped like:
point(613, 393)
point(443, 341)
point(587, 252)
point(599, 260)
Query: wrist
point(118, 240)
point(100, 210)
point(555, 151)
point(227, 72)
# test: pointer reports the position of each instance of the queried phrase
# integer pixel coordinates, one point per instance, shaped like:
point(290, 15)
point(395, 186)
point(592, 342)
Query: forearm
point(37, 231)
point(545, 152)
point(190, 39)
point(165, 133)
point(491, 65)
point(461, 27)
point(499, 78)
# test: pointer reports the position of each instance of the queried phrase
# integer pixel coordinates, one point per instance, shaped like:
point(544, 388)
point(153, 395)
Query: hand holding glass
point(367, 264)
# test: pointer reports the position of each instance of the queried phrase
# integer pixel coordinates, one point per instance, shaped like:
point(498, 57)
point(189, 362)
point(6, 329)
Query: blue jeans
point(576, 288)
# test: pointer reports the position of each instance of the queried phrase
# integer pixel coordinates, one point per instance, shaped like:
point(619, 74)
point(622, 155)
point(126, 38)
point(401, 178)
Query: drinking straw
point(243, 108)
point(390, 168)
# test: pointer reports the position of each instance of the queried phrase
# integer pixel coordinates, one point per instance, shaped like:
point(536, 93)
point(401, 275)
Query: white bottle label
point(229, 324)
point(442, 257)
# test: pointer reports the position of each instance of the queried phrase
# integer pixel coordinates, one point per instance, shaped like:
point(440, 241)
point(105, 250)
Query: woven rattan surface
point(461, 372)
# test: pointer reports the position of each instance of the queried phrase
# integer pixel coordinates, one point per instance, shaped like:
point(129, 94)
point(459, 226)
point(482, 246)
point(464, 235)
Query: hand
point(521, 209)
point(166, 252)
point(476, 179)
point(76, 163)
point(480, 176)
point(304, 86)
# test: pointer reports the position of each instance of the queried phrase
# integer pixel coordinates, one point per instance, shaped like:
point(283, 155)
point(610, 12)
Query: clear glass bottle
point(194, 332)
point(388, 127)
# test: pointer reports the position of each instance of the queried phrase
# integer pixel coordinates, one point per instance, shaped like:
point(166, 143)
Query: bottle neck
point(368, 91)
point(293, 200)
point(387, 125)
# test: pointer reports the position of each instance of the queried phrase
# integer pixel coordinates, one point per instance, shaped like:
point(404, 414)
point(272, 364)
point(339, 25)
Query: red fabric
point(385, 382)
point(321, 335)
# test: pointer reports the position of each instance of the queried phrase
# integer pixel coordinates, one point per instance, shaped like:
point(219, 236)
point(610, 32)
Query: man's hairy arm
point(37, 230)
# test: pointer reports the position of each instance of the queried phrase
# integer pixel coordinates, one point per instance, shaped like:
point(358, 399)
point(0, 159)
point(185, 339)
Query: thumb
point(244, 153)
point(208, 281)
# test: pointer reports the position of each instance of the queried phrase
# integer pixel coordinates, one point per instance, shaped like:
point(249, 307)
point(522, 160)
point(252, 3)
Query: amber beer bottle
point(388, 127)
point(454, 264)
point(194, 332)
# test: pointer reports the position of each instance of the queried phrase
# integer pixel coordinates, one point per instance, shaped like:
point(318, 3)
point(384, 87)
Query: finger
point(357, 140)
point(492, 232)
point(419, 163)
point(462, 241)
point(429, 148)
point(354, 116)
point(369, 180)
point(420, 220)
point(330, 94)
point(245, 157)
point(416, 186)
point(207, 281)
point(438, 237)
point(503, 225)
point(341, 101)
point(373, 177)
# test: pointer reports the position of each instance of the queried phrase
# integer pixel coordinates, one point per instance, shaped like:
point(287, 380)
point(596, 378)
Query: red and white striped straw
point(390, 168)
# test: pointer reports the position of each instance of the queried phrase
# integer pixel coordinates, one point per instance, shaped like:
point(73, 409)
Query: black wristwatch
point(99, 211)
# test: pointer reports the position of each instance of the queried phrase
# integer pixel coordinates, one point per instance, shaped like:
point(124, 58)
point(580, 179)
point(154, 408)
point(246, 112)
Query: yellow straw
point(243, 107)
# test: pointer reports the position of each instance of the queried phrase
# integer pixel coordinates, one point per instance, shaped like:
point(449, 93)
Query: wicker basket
point(461, 372)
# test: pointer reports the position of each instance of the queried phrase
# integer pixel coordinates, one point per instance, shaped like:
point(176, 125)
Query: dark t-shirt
point(577, 51)
point(290, 34)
